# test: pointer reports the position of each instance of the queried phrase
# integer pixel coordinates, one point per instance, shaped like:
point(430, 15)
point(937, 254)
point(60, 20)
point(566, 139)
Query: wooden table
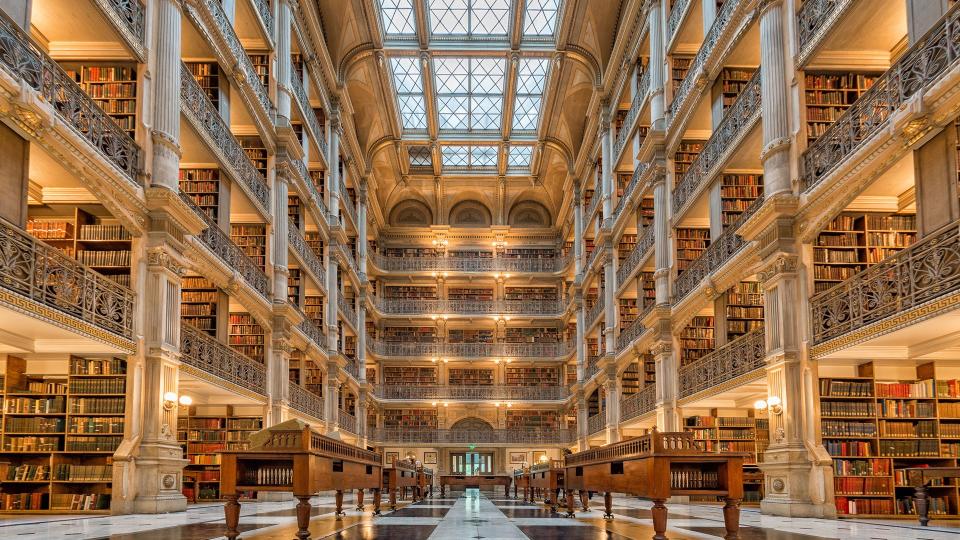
point(919, 478)
point(425, 481)
point(656, 467)
point(547, 479)
point(476, 481)
point(291, 457)
point(401, 475)
point(521, 479)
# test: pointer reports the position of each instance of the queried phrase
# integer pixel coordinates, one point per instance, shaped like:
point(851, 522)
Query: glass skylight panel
point(469, 17)
point(420, 156)
point(540, 18)
point(397, 17)
point(519, 157)
point(469, 93)
point(408, 82)
point(456, 156)
point(483, 156)
point(531, 83)
point(469, 157)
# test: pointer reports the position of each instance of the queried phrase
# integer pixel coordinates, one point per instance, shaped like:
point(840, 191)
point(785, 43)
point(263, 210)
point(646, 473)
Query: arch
point(472, 423)
point(353, 57)
point(411, 213)
point(529, 213)
point(470, 213)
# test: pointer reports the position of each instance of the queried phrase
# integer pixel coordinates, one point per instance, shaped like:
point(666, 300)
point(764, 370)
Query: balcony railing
point(348, 202)
point(200, 351)
point(596, 423)
point(312, 332)
point(639, 253)
point(592, 367)
point(922, 273)
point(630, 333)
point(228, 252)
point(348, 257)
point(305, 401)
point(305, 109)
point(263, 8)
point(132, 14)
point(474, 264)
point(628, 191)
point(643, 88)
point(346, 307)
point(640, 403)
point(742, 356)
point(470, 350)
point(814, 18)
point(592, 207)
point(743, 114)
point(225, 26)
point(305, 176)
point(43, 274)
point(403, 306)
point(706, 49)
point(306, 254)
point(28, 62)
point(677, 12)
point(348, 422)
point(470, 436)
point(917, 69)
point(473, 393)
point(209, 123)
point(721, 250)
point(351, 368)
point(595, 310)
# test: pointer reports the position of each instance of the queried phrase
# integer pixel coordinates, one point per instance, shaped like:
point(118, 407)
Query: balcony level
point(464, 393)
point(461, 437)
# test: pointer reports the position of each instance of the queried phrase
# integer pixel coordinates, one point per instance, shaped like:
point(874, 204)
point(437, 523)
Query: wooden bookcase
point(626, 245)
point(199, 303)
point(733, 81)
point(207, 75)
point(734, 434)
point(256, 152)
point(470, 377)
point(112, 86)
point(531, 335)
point(649, 288)
point(247, 336)
point(261, 64)
point(407, 375)
point(295, 210)
point(252, 239)
point(480, 335)
point(313, 309)
point(315, 242)
point(470, 254)
point(202, 185)
point(470, 293)
point(410, 292)
point(744, 308)
point(530, 293)
point(696, 339)
point(691, 243)
point(532, 419)
point(645, 212)
point(737, 193)
point(532, 376)
point(410, 334)
point(686, 154)
point(410, 418)
point(412, 252)
point(294, 286)
point(628, 311)
point(679, 64)
point(203, 437)
point(59, 433)
point(631, 381)
point(828, 94)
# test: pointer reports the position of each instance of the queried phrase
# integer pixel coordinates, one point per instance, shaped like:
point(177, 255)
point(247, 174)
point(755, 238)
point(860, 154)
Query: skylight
point(420, 156)
point(469, 157)
point(397, 17)
point(408, 82)
point(531, 83)
point(519, 157)
point(540, 18)
point(469, 17)
point(469, 93)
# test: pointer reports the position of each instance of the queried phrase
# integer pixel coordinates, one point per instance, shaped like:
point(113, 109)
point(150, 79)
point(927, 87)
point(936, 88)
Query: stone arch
point(529, 214)
point(411, 213)
point(470, 213)
point(471, 423)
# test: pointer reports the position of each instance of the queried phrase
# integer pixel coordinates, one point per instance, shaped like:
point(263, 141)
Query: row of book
point(104, 258)
point(198, 309)
point(50, 230)
point(891, 408)
point(861, 467)
point(103, 232)
point(847, 408)
point(835, 428)
point(740, 312)
point(46, 387)
point(82, 473)
point(922, 429)
point(839, 81)
point(25, 405)
point(850, 239)
point(93, 444)
point(921, 448)
point(949, 410)
point(850, 506)
point(84, 366)
point(31, 444)
point(98, 386)
point(919, 389)
point(863, 486)
point(96, 424)
point(35, 424)
point(97, 405)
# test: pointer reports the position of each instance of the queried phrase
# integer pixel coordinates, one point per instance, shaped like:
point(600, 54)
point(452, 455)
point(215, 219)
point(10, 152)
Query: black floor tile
point(393, 532)
point(529, 513)
point(753, 533)
point(315, 511)
point(545, 532)
point(412, 511)
point(195, 531)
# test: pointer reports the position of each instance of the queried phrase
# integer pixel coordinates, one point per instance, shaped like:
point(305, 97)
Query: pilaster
point(613, 392)
point(668, 414)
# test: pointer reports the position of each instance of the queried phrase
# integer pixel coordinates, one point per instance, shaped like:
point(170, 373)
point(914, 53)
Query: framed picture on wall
point(390, 457)
point(518, 457)
point(539, 455)
point(429, 458)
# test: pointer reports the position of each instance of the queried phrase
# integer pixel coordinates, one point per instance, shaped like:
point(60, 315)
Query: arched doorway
point(472, 461)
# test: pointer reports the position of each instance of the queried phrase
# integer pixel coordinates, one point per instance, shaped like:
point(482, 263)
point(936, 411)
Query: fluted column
point(609, 298)
point(606, 165)
point(166, 99)
point(284, 61)
point(581, 338)
point(582, 419)
point(578, 227)
point(333, 158)
point(280, 241)
point(362, 229)
point(278, 371)
point(774, 100)
point(661, 241)
point(657, 65)
point(332, 315)
point(331, 397)
point(668, 416)
point(613, 391)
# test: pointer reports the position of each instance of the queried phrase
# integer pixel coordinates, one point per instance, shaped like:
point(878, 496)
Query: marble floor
point(461, 516)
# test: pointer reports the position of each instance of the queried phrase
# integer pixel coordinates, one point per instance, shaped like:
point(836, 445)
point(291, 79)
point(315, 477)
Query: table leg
point(393, 499)
point(922, 504)
point(659, 515)
point(441, 490)
point(515, 488)
point(360, 500)
point(376, 501)
point(231, 512)
point(303, 517)
point(339, 498)
point(608, 505)
point(585, 500)
point(570, 503)
point(506, 491)
point(731, 518)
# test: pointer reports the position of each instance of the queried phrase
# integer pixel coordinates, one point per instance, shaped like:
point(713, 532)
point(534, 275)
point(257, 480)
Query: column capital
point(782, 264)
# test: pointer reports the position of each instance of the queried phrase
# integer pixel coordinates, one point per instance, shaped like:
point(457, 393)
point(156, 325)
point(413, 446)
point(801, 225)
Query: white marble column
point(333, 159)
point(364, 287)
point(661, 241)
point(613, 391)
point(657, 65)
point(165, 57)
point(606, 165)
point(578, 227)
point(284, 61)
point(609, 298)
point(331, 397)
point(665, 358)
point(579, 306)
point(774, 105)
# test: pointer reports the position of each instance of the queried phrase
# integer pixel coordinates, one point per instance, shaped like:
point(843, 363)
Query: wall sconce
point(434, 360)
point(446, 404)
point(170, 401)
point(434, 404)
point(496, 361)
point(440, 242)
point(446, 360)
point(544, 458)
point(499, 244)
point(773, 403)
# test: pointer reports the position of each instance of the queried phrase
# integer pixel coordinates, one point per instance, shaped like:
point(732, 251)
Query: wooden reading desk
point(547, 478)
point(476, 481)
point(657, 466)
point(291, 457)
point(920, 478)
point(402, 475)
point(425, 481)
point(521, 479)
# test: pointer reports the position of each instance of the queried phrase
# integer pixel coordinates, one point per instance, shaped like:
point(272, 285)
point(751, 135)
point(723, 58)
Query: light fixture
point(496, 360)
point(509, 360)
point(497, 404)
point(543, 458)
point(509, 404)
point(434, 360)
point(446, 360)
point(433, 317)
point(170, 400)
point(434, 404)
point(440, 242)
point(445, 404)
point(773, 403)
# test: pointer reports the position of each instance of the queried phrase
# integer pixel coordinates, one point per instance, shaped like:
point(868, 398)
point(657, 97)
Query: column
point(364, 285)
point(333, 314)
point(333, 159)
point(362, 418)
point(501, 200)
point(578, 227)
point(609, 299)
point(661, 242)
point(709, 14)
point(657, 65)
point(362, 229)
point(774, 104)
point(613, 388)
point(606, 164)
point(278, 370)
point(582, 427)
point(284, 62)
point(668, 415)
point(581, 338)
point(331, 398)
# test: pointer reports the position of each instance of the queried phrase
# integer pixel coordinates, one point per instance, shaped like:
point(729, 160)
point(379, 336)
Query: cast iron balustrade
point(207, 121)
point(403, 306)
point(630, 333)
point(744, 113)
point(42, 273)
point(312, 332)
point(206, 354)
point(250, 75)
point(592, 368)
point(306, 254)
point(639, 253)
point(470, 436)
point(721, 250)
point(706, 49)
point(472, 393)
point(132, 14)
point(628, 191)
point(306, 111)
point(351, 368)
point(305, 176)
point(595, 310)
point(643, 88)
point(347, 421)
point(263, 8)
point(348, 257)
point(814, 18)
point(594, 202)
point(305, 401)
point(228, 252)
point(470, 350)
point(922, 273)
point(640, 403)
point(27, 61)
point(922, 65)
point(677, 12)
point(347, 201)
point(472, 264)
point(742, 356)
point(596, 423)
point(346, 307)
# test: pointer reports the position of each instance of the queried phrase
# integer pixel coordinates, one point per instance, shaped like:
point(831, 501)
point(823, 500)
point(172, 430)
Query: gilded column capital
point(783, 264)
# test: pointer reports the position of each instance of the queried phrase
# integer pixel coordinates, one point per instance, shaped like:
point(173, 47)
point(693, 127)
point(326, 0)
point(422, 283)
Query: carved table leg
point(585, 501)
point(731, 518)
point(570, 503)
point(231, 511)
point(339, 498)
point(515, 488)
point(608, 505)
point(376, 501)
point(441, 490)
point(922, 504)
point(360, 500)
point(659, 514)
point(393, 499)
point(303, 517)
point(506, 491)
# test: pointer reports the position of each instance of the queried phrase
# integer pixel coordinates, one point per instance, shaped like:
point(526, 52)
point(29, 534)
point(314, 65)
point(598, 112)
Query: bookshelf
point(410, 292)
point(202, 435)
point(532, 419)
point(315, 242)
point(691, 243)
point(679, 64)
point(294, 286)
point(313, 309)
point(529, 253)
point(696, 339)
point(733, 81)
point(470, 293)
point(531, 335)
point(627, 312)
point(295, 210)
point(199, 299)
point(410, 418)
point(412, 252)
point(645, 212)
point(649, 288)
point(404, 375)
point(631, 381)
point(828, 94)
point(854, 241)
point(202, 185)
point(256, 152)
point(470, 377)
point(715, 433)
point(686, 154)
point(571, 373)
point(252, 239)
point(113, 87)
point(744, 308)
point(470, 335)
point(247, 336)
point(530, 293)
point(59, 435)
point(350, 346)
point(532, 376)
point(410, 334)
point(207, 75)
point(470, 254)
point(737, 193)
point(626, 245)
point(261, 64)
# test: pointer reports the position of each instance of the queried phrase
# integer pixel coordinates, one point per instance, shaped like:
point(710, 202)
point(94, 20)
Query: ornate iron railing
point(643, 89)
point(740, 357)
point(594, 202)
point(469, 436)
point(305, 109)
point(351, 368)
point(347, 421)
point(473, 393)
point(706, 49)
point(917, 69)
point(346, 307)
point(263, 8)
point(595, 310)
point(592, 367)
point(743, 114)
point(305, 401)
point(630, 333)
point(228, 252)
point(132, 14)
point(639, 404)
point(721, 250)
point(44, 274)
point(677, 13)
point(208, 355)
point(639, 253)
point(596, 423)
point(27, 61)
point(348, 257)
point(306, 254)
point(239, 54)
point(814, 18)
point(402, 306)
point(475, 264)
point(470, 350)
point(347, 201)
point(926, 271)
point(305, 176)
point(628, 191)
point(207, 121)
point(312, 332)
